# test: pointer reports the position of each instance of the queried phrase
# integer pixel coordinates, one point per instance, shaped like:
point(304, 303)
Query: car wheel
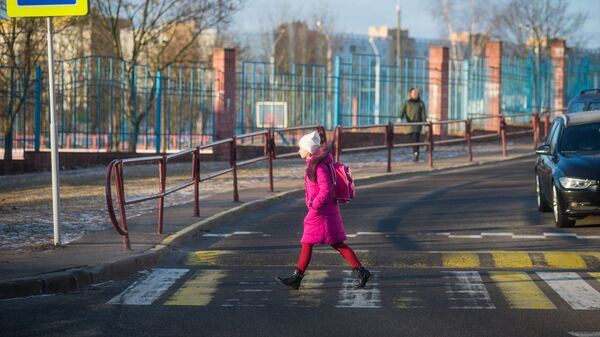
point(560, 217)
point(541, 202)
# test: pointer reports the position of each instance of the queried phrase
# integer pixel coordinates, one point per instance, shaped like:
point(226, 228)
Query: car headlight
point(576, 184)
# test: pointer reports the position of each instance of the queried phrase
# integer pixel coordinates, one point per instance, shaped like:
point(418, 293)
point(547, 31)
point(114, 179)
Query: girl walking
point(323, 223)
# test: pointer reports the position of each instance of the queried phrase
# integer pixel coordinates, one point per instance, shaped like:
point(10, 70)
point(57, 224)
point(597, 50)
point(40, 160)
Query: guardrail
point(115, 168)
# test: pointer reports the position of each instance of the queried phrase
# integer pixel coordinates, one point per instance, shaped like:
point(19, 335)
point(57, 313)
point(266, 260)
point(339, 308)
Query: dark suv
point(567, 172)
point(586, 101)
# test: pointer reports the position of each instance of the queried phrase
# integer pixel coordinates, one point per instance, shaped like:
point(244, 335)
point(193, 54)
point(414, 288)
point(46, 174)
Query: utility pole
point(398, 37)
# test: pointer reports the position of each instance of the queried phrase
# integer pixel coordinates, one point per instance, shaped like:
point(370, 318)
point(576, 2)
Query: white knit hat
point(310, 142)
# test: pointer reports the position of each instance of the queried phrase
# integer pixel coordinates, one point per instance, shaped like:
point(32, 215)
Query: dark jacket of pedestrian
point(413, 110)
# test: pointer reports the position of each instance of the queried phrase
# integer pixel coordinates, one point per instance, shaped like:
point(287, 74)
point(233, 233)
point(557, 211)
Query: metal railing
point(115, 168)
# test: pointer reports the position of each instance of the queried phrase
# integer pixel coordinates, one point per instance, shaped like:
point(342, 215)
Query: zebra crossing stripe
point(366, 298)
point(150, 287)
point(467, 291)
point(460, 260)
point(520, 291)
point(512, 260)
point(564, 260)
point(311, 291)
point(573, 289)
point(199, 290)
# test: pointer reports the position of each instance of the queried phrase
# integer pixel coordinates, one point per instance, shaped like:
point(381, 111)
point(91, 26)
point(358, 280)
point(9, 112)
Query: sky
point(355, 16)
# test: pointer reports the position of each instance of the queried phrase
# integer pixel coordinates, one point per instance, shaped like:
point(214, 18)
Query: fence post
point(439, 70)
point(336, 91)
point(389, 141)
point(503, 135)
point(493, 83)
point(430, 139)
point(162, 177)
point(196, 175)
point(233, 164)
point(269, 150)
point(536, 129)
point(38, 106)
point(158, 108)
point(337, 142)
point(468, 124)
point(546, 123)
point(121, 197)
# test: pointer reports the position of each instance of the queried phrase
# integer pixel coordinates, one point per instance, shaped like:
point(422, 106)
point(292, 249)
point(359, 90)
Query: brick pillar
point(557, 54)
point(224, 86)
point(438, 87)
point(493, 83)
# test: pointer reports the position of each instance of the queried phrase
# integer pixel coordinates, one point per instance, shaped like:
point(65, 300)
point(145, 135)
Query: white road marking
point(226, 235)
point(588, 237)
point(571, 235)
point(526, 236)
point(585, 334)
point(150, 287)
point(497, 234)
point(468, 290)
point(573, 289)
point(473, 236)
point(367, 298)
point(214, 235)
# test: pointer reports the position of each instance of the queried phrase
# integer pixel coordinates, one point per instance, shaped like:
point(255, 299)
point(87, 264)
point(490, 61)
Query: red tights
point(341, 247)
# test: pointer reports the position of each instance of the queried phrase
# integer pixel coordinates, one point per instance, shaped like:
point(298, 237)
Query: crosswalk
point(333, 288)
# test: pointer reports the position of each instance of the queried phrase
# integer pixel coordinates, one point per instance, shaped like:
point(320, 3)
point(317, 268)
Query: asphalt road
point(461, 253)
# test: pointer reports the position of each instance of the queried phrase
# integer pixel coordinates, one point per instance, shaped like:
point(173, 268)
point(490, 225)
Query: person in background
point(323, 222)
point(413, 110)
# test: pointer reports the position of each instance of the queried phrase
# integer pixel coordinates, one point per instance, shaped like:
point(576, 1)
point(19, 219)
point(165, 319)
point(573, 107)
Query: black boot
point(292, 281)
point(362, 274)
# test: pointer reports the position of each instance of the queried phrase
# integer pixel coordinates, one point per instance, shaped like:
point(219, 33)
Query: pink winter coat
point(323, 223)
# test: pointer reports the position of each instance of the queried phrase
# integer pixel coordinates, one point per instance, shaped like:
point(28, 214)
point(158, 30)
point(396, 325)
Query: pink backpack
point(343, 184)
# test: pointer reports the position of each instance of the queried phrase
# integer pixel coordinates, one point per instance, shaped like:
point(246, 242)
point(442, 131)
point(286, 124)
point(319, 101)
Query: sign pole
point(53, 144)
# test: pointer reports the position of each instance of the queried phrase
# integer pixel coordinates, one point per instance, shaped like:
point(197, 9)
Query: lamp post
point(377, 67)
point(321, 28)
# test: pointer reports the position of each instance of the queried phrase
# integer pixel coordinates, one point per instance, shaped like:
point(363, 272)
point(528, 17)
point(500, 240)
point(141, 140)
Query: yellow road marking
point(595, 275)
point(460, 260)
point(207, 258)
point(199, 290)
point(512, 260)
point(520, 291)
point(564, 260)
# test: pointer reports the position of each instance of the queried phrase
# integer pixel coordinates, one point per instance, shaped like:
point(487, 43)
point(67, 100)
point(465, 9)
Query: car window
point(552, 129)
point(576, 107)
point(579, 138)
point(555, 134)
point(595, 106)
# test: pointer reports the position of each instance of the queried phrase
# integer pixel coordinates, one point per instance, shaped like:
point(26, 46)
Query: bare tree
point(22, 43)
point(151, 31)
point(460, 17)
point(531, 26)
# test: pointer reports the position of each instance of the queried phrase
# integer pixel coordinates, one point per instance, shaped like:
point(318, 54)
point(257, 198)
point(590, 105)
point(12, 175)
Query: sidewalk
point(98, 255)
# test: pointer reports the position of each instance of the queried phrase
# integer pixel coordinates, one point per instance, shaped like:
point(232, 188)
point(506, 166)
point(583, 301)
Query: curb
point(71, 280)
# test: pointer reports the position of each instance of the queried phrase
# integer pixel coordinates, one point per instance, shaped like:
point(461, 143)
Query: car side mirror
point(543, 149)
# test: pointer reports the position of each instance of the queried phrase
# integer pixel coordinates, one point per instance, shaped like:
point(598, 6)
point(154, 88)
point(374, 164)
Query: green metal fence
point(526, 85)
point(373, 93)
point(107, 104)
point(582, 72)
